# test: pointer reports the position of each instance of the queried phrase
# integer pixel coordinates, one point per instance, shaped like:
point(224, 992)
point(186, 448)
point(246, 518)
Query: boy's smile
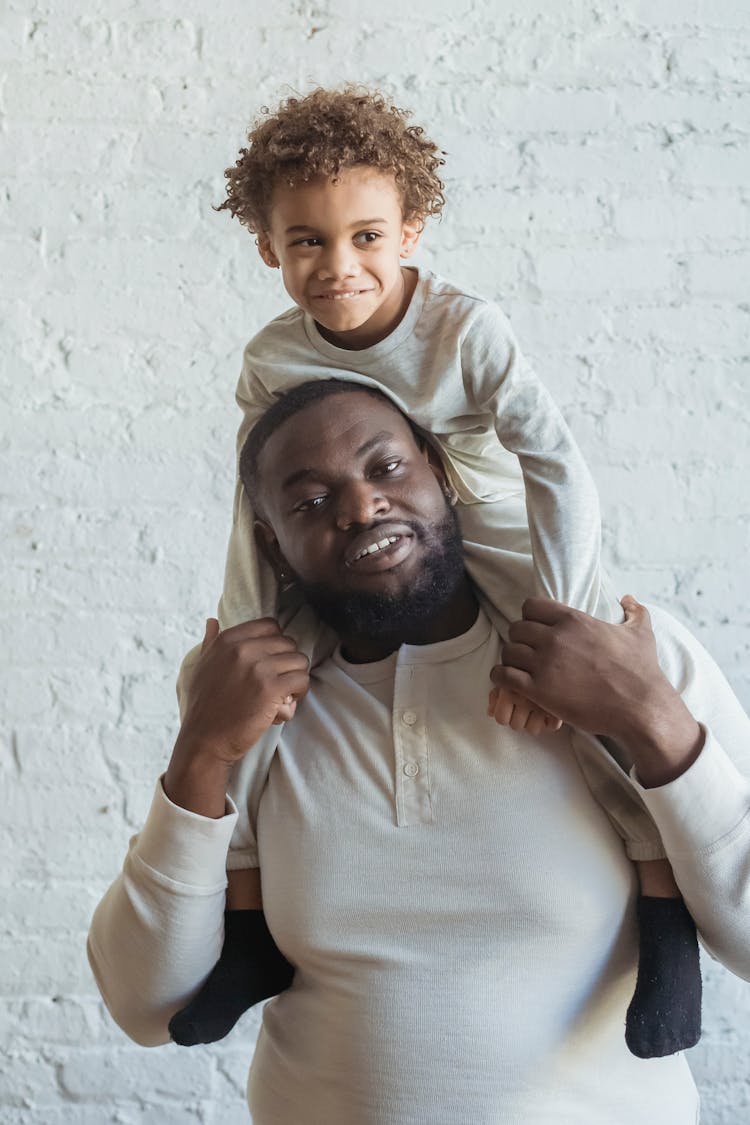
point(339, 246)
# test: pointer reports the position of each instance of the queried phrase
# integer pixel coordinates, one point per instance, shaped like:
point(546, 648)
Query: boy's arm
point(250, 589)
point(561, 499)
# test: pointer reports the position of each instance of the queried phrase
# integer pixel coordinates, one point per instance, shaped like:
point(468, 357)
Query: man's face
point(356, 511)
point(339, 245)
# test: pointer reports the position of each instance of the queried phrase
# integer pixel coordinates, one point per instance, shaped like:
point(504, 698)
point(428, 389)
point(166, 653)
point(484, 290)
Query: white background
point(597, 183)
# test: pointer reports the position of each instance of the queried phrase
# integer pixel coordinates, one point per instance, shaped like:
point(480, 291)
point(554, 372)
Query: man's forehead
point(320, 458)
point(344, 426)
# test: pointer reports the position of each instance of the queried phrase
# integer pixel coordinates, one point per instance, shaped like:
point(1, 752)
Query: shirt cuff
point(702, 807)
point(183, 846)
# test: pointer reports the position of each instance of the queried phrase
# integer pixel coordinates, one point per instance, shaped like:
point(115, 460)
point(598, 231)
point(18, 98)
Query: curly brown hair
point(321, 134)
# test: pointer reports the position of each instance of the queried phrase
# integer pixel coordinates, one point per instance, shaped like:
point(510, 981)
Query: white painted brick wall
point(598, 186)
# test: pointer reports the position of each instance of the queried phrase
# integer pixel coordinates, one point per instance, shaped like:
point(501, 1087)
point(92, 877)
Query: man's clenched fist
point(246, 679)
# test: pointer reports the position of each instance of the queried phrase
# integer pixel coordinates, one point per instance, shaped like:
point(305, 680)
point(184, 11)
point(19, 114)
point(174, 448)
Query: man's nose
point(338, 260)
point(360, 503)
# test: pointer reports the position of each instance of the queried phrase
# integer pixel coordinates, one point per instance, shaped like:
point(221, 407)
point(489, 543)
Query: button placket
point(413, 805)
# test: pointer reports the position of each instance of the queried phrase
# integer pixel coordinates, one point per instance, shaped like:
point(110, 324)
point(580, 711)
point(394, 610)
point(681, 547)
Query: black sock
point(665, 1013)
point(250, 969)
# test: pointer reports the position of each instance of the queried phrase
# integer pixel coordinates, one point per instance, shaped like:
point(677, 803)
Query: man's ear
point(411, 232)
point(433, 459)
point(263, 242)
point(268, 545)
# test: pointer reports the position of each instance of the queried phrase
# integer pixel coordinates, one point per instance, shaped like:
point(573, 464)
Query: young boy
point(337, 187)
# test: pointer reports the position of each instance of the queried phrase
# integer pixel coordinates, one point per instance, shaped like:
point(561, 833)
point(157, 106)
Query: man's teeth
point(376, 547)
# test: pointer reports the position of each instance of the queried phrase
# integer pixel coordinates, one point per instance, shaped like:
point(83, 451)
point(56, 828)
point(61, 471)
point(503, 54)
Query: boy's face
point(339, 246)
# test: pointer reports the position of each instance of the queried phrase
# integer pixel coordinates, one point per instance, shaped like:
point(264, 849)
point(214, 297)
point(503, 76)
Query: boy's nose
point(359, 503)
point(338, 261)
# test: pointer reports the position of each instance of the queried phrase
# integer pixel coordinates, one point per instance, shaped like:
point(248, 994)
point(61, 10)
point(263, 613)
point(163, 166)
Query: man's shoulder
point(676, 645)
point(684, 660)
point(702, 684)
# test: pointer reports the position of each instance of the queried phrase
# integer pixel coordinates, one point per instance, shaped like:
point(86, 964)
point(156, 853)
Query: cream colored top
point(528, 506)
point(457, 906)
point(454, 367)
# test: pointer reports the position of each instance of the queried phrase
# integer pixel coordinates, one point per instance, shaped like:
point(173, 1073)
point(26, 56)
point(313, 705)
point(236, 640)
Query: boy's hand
point(511, 709)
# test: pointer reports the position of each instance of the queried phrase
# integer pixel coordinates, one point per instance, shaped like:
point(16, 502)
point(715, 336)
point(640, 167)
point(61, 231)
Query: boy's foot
point(250, 969)
point(665, 1013)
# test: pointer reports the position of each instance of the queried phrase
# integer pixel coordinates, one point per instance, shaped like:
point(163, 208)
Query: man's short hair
point(286, 406)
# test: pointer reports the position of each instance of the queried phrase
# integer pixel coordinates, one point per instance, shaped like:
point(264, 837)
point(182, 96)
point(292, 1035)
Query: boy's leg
point(243, 889)
point(664, 1015)
point(656, 880)
point(250, 968)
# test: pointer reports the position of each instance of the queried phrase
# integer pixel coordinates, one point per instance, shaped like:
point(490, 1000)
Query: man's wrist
point(197, 778)
point(663, 740)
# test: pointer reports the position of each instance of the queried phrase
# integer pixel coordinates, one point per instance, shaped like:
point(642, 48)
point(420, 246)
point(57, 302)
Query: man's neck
point(455, 618)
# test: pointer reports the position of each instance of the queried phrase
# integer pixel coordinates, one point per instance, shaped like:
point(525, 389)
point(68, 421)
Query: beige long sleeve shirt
point(458, 908)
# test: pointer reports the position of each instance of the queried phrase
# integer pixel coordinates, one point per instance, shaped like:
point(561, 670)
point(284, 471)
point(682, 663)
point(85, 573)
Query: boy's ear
point(263, 242)
point(411, 231)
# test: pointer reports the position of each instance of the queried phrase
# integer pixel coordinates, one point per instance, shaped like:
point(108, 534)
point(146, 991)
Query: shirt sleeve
point(704, 815)
point(250, 588)
point(159, 929)
point(561, 499)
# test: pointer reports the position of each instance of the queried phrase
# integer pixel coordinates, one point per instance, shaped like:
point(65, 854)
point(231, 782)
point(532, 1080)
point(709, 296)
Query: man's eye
point(387, 467)
point(312, 503)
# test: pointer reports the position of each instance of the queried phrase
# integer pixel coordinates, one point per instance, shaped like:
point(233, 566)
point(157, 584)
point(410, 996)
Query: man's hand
point(604, 679)
point(511, 709)
point(246, 679)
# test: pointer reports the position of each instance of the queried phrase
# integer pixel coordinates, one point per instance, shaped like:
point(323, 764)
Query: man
point(457, 907)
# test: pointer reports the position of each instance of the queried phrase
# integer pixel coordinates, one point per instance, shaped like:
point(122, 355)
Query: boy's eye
point(368, 236)
point(307, 242)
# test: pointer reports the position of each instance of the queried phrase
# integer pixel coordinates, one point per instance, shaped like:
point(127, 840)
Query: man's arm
point(664, 700)
point(158, 931)
point(703, 816)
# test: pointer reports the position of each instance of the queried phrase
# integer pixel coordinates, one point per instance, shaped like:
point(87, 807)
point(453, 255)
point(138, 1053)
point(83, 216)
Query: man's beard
point(353, 613)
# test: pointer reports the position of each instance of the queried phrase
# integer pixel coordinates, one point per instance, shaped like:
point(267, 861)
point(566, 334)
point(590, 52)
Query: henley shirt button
point(410, 718)
point(411, 769)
